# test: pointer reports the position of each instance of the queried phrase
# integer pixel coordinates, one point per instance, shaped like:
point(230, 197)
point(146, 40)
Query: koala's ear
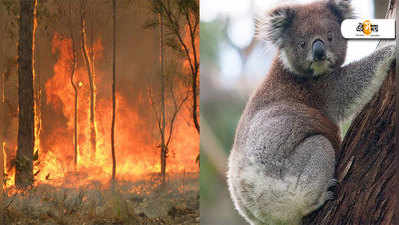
point(341, 8)
point(272, 26)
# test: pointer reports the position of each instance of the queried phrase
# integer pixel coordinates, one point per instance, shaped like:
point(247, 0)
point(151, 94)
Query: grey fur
point(353, 85)
point(283, 158)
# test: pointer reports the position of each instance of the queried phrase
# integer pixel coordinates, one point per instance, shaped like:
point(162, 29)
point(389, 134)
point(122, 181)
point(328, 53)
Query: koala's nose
point(318, 50)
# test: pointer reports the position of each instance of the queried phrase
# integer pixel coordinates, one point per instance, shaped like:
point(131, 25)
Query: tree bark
point(3, 116)
point(26, 133)
point(76, 91)
point(37, 96)
point(366, 170)
point(90, 73)
point(113, 91)
point(163, 116)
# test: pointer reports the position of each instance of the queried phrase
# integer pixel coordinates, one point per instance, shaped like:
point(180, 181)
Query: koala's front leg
point(353, 86)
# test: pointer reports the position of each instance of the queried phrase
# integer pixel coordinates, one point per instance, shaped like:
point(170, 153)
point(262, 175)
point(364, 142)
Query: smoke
point(137, 72)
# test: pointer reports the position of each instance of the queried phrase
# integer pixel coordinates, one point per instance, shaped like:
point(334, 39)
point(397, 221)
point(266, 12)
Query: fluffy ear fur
point(341, 8)
point(272, 26)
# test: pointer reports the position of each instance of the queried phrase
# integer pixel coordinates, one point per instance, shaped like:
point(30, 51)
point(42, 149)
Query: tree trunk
point(366, 170)
point(2, 150)
point(89, 65)
point(37, 96)
point(76, 89)
point(195, 98)
point(75, 124)
point(3, 116)
point(163, 116)
point(195, 80)
point(26, 133)
point(113, 91)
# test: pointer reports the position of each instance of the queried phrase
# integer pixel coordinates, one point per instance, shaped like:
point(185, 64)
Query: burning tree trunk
point(163, 117)
point(7, 113)
point(37, 96)
point(2, 168)
point(91, 75)
point(366, 169)
point(26, 131)
point(113, 91)
point(76, 89)
point(3, 116)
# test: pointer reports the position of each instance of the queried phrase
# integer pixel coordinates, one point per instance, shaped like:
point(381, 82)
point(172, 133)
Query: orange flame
point(136, 151)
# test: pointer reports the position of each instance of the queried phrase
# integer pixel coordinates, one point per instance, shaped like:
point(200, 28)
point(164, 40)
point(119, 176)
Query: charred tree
point(26, 131)
point(3, 117)
point(37, 96)
point(113, 91)
point(75, 87)
point(366, 170)
point(8, 115)
point(163, 113)
point(91, 75)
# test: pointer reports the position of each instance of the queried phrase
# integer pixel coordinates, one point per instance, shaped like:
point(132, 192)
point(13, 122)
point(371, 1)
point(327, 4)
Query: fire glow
point(137, 153)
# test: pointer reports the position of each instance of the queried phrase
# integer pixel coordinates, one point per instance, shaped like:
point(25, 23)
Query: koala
point(283, 157)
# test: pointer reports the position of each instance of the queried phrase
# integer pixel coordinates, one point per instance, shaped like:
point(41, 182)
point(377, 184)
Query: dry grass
point(139, 202)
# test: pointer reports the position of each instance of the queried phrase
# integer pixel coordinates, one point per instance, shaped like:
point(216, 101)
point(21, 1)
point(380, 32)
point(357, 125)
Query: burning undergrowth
point(137, 142)
point(139, 202)
point(65, 192)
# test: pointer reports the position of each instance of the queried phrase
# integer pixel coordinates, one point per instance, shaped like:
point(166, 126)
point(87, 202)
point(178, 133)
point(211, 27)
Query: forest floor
point(142, 202)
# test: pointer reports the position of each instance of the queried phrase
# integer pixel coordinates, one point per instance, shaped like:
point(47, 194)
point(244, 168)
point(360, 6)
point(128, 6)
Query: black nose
point(318, 51)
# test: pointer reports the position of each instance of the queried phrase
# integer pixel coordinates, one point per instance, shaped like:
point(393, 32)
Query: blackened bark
point(91, 75)
point(23, 162)
point(113, 92)
point(75, 89)
point(163, 113)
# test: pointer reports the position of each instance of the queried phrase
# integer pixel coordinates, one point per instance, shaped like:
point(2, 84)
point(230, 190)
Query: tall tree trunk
point(195, 98)
point(366, 168)
point(36, 91)
point(76, 89)
point(2, 165)
point(89, 65)
point(26, 133)
point(195, 72)
point(163, 116)
point(3, 116)
point(75, 123)
point(113, 91)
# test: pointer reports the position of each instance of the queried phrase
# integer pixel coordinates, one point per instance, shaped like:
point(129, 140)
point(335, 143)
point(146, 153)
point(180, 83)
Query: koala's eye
point(302, 44)
point(329, 36)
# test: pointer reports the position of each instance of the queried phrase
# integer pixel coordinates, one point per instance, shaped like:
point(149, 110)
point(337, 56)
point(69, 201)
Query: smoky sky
point(137, 57)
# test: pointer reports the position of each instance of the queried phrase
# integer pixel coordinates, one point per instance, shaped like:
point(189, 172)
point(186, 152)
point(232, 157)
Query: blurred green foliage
point(211, 36)
point(221, 110)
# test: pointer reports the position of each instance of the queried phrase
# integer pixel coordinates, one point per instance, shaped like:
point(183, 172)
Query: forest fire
point(99, 116)
point(136, 148)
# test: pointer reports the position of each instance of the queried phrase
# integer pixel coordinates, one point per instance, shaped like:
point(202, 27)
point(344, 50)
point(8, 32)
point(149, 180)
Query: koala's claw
point(332, 182)
point(331, 195)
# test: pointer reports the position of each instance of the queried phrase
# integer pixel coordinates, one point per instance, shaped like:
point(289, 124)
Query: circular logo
point(367, 27)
